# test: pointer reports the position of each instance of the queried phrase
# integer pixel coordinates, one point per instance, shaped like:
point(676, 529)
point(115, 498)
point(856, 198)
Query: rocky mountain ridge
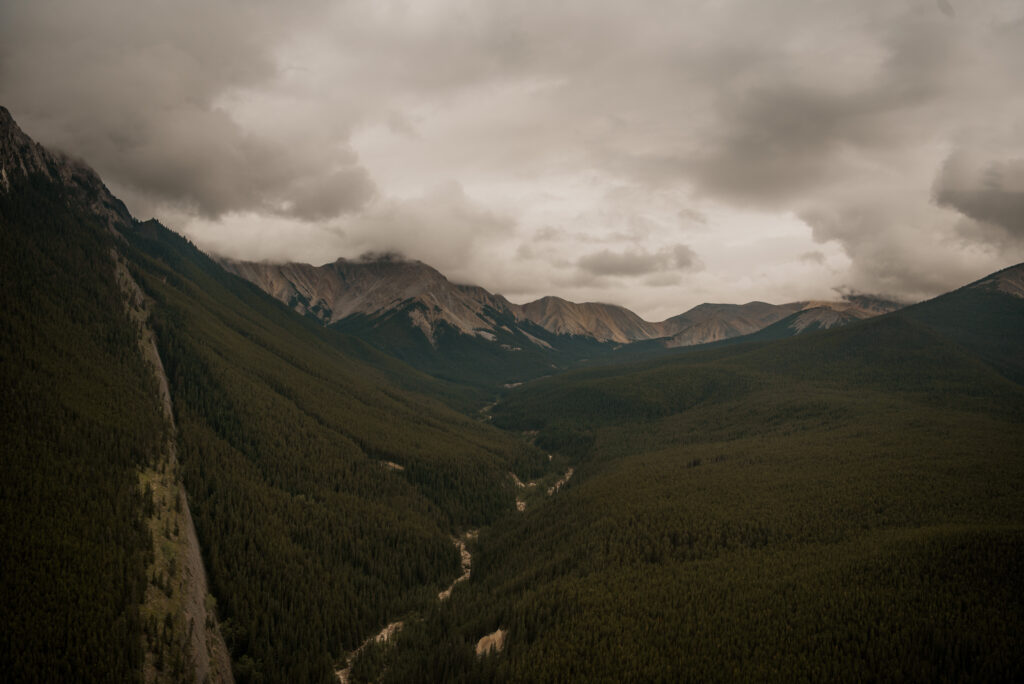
point(334, 291)
point(21, 157)
point(372, 287)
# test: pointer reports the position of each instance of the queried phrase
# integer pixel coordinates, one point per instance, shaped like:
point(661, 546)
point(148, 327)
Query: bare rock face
point(495, 641)
point(337, 290)
point(604, 322)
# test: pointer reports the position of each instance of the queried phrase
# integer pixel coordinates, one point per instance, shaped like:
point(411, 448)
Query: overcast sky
point(650, 154)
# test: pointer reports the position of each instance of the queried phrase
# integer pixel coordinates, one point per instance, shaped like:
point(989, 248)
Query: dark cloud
point(392, 257)
point(319, 197)
point(991, 192)
point(774, 143)
point(797, 131)
point(685, 258)
point(639, 262)
point(138, 88)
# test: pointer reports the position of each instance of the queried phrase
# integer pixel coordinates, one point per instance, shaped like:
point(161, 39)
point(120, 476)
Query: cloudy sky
point(648, 153)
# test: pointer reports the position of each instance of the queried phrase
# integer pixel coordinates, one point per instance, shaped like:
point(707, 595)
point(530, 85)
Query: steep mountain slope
point(335, 291)
point(834, 506)
point(80, 420)
point(712, 322)
point(718, 322)
point(323, 484)
point(803, 317)
point(984, 317)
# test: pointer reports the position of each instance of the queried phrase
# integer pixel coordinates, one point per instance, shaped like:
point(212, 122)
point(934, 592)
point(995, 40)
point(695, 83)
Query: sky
point(647, 153)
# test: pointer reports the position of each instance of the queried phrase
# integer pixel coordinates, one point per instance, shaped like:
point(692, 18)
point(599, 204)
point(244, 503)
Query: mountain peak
point(1008, 281)
point(371, 287)
point(19, 154)
point(604, 322)
point(21, 157)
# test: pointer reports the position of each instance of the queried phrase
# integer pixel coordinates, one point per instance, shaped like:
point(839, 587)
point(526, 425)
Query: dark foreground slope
point(324, 482)
point(842, 506)
point(79, 418)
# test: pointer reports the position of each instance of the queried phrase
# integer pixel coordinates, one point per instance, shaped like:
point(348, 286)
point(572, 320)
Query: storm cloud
point(138, 90)
point(987, 191)
point(563, 148)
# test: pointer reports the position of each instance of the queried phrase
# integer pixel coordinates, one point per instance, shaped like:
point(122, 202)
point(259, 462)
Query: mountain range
point(373, 297)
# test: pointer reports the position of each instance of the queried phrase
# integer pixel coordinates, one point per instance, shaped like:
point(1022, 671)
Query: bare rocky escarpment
point(190, 603)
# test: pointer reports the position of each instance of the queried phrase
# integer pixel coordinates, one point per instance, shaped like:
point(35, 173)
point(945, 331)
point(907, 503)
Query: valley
point(465, 563)
point(229, 471)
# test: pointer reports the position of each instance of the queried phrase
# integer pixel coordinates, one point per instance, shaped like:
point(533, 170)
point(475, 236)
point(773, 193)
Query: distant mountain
point(411, 311)
point(713, 322)
point(370, 287)
point(811, 316)
point(464, 332)
point(603, 322)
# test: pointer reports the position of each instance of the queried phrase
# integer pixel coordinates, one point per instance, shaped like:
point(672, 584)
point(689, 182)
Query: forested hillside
point(844, 506)
point(324, 496)
point(80, 417)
